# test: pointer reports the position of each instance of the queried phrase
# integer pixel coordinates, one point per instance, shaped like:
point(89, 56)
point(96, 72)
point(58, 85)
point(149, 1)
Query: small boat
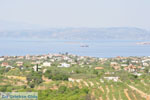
point(84, 46)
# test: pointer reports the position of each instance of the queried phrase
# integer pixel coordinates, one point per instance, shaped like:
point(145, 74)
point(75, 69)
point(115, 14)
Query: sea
point(92, 48)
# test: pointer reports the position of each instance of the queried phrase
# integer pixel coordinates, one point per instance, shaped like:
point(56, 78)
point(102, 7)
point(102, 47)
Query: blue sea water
point(102, 48)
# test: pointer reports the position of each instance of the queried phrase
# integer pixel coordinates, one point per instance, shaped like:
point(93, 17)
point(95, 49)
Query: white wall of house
point(112, 78)
point(64, 65)
point(2, 59)
point(46, 64)
point(145, 64)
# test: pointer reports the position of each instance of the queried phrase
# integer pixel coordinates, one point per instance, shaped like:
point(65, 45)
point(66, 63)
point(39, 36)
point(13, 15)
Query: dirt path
point(91, 83)
point(19, 78)
point(100, 98)
point(97, 83)
point(126, 93)
point(93, 93)
point(86, 84)
point(120, 96)
point(140, 92)
point(101, 89)
point(80, 85)
point(113, 92)
point(107, 89)
point(70, 84)
point(144, 83)
point(114, 97)
point(134, 96)
point(112, 88)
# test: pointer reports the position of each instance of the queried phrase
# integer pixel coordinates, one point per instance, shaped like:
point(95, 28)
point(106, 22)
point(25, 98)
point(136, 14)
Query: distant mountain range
point(124, 33)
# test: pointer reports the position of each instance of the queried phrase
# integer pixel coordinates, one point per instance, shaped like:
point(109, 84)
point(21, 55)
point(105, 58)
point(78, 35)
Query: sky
point(77, 13)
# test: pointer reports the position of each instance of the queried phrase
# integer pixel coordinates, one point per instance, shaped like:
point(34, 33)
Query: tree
point(2, 71)
point(34, 78)
point(95, 72)
point(146, 70)
point(62, 89)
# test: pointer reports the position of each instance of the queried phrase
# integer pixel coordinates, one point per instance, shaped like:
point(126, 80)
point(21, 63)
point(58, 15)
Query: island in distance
point(113, 33)
point(143, 43)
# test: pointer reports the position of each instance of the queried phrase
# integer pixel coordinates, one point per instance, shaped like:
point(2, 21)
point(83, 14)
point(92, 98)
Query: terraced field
point(107, 90)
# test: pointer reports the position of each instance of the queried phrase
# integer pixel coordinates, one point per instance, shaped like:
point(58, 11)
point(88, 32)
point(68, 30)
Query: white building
point(46, 64)
point(71, 80)
point(124, 65)
point(135, 61)
point(36, 68)
point(138, 74)
point(115, 79)
point(2, 59)
point(113, 63)
point(64, 65)
point(66, 58)
point(145, 64)
point(10, 67)
point(146, 60)
point(74, 80)
point(44, 70)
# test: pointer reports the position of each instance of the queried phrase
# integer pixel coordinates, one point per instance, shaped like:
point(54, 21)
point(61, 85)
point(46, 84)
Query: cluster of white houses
point(130, 64)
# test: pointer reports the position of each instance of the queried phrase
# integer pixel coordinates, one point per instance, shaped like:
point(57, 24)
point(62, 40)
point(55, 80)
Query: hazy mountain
point(79, 33)
point(16, 26)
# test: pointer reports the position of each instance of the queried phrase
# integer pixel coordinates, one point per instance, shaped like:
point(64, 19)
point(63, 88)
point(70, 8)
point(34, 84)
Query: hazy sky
point(77, 13)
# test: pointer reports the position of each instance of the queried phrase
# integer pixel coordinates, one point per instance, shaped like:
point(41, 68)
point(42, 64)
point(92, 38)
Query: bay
point(97, 48)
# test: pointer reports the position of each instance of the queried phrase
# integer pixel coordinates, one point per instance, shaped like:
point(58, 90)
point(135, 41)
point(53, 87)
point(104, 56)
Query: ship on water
point(84, 46)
